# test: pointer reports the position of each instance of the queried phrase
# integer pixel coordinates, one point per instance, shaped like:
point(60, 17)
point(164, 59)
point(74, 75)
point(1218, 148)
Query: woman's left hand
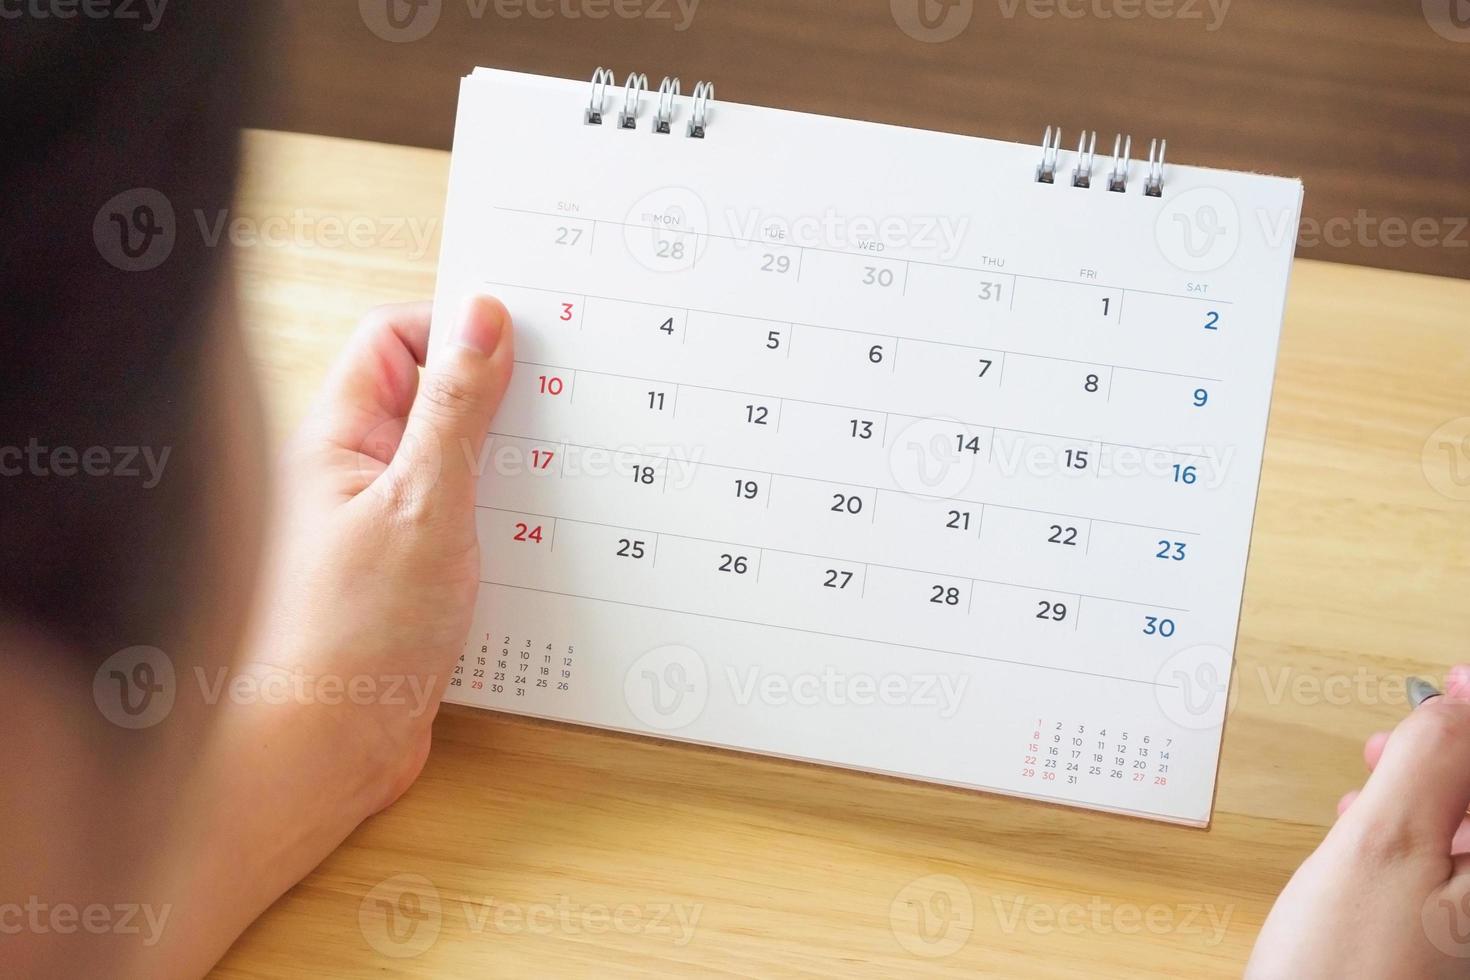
point(371, 580)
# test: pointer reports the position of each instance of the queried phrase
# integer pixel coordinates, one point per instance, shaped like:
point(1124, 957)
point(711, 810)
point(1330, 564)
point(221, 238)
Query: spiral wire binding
point(1046, 170)
point(633, 90)
point(635, 87)
point(668, 91)
point(597, 98)
point(1086, 153)
point(1118, 175)
point(1153, 183)
point(703, 95)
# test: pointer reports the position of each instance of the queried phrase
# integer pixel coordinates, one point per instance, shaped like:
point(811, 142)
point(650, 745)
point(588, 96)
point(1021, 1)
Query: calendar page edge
point(1201, 823)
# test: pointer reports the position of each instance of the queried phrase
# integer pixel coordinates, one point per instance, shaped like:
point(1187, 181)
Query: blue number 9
point(1200, 397)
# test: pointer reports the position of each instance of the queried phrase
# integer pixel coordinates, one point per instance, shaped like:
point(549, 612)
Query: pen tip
point(1419, 690)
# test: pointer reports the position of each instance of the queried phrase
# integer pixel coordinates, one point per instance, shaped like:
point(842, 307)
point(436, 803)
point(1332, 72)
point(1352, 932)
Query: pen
point(1419, 690)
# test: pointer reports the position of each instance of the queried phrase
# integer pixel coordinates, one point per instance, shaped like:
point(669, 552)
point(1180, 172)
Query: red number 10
point(550, 386)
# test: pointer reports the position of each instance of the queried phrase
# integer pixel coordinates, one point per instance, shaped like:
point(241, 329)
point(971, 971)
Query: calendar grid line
point(676, 385)
point(1005, 353)
point(835, 559)
point(815, 479)
point(859, 255)
point(793, 324)
point(836, 636)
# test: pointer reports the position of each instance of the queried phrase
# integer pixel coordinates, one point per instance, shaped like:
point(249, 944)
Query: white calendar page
point(856, 444)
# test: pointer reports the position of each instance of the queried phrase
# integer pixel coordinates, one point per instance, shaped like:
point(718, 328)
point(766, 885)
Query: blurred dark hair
point(92, 355)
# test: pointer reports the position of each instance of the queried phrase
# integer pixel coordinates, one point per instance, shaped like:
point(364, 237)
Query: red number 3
point(566, 311)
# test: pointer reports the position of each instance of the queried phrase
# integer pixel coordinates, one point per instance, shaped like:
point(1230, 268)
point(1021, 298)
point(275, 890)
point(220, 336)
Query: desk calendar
point(902, 451)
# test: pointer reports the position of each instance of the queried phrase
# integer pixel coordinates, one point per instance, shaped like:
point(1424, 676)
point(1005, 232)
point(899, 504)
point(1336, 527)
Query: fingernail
point(481, 323)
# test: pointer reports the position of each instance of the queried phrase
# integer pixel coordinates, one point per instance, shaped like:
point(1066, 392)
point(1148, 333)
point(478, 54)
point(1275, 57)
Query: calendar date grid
point(876, 491)
point(561, 370)
point(1071, 754)
point(897, 341)
point(567, 218)
point(745, 549)
point(899, 645)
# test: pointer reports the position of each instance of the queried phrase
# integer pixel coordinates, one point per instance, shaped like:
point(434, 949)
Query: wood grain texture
point(1358, 574)
point(1361, 99)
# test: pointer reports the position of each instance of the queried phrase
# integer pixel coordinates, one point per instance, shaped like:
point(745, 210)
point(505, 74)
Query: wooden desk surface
point(534, 849)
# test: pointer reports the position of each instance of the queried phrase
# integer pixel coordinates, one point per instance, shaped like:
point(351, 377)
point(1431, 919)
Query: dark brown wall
point(1363, 99)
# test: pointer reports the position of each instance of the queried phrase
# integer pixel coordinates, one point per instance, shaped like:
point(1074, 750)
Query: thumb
point(457, 396)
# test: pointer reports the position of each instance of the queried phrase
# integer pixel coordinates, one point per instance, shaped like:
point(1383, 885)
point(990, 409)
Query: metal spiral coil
point(633, 90)
point(702, 97)
point(1118, 172)
point(635, 87)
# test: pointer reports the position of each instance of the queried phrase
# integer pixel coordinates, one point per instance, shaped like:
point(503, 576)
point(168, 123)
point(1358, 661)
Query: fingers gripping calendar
point(902, 451)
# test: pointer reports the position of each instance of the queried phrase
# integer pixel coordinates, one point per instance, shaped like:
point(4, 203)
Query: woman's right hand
point(1387, 893)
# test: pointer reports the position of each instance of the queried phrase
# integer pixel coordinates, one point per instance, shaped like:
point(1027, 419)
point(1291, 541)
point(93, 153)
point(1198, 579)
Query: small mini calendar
point(915, 453)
